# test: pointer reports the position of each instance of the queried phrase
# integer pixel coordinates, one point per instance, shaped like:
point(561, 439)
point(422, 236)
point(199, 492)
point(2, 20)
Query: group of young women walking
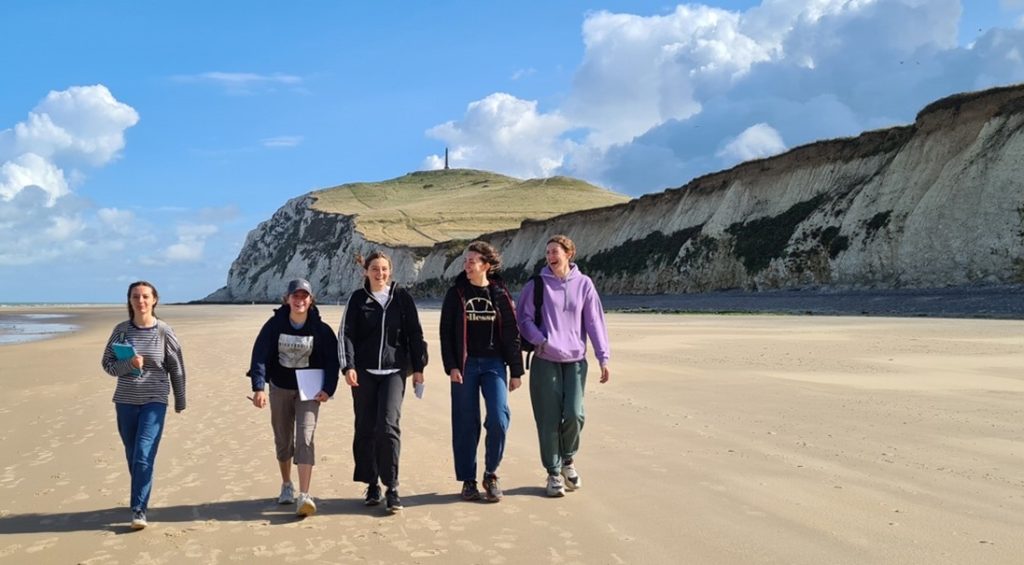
point(378, 346)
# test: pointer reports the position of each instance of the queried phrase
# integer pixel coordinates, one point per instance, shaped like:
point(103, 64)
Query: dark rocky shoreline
point(998, 302)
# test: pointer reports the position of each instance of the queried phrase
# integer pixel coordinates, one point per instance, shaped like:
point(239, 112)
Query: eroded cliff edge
point(936, 203)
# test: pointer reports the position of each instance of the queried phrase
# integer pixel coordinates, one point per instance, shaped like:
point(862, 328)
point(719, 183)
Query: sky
point(144, 140)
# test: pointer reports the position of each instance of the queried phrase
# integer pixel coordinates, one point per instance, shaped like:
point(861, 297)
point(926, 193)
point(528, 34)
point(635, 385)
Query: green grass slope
point(427, 207)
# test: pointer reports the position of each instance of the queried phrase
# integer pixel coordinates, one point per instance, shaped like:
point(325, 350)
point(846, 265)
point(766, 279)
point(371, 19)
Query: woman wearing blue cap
point(294, 344)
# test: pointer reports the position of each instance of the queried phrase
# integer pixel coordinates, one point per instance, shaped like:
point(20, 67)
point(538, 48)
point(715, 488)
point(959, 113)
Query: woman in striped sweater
point(144, 381)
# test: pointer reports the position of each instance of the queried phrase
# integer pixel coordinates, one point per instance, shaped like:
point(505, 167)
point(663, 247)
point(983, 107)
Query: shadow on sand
point(117, 519)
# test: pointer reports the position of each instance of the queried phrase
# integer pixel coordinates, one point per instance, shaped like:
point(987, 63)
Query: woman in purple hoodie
point(570, 313)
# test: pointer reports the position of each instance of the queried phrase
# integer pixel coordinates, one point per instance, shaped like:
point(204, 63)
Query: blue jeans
point(140, 427)
point(482, 375)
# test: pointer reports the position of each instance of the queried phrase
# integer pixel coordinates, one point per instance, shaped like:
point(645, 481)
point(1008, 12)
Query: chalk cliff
point(936, 203)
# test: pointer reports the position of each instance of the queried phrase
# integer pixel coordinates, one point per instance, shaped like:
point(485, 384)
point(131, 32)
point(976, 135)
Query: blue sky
point(145, 139)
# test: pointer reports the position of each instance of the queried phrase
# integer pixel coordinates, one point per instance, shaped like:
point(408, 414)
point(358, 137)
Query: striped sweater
point(163, 366)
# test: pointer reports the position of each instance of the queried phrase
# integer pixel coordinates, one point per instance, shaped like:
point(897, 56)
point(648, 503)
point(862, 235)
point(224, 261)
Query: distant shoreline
point(25, 327)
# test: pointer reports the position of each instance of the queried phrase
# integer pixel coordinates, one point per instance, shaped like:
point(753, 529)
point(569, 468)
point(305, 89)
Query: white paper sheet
point(311, 381)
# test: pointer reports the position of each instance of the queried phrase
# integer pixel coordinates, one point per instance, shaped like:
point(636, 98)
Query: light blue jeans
point(140, 427)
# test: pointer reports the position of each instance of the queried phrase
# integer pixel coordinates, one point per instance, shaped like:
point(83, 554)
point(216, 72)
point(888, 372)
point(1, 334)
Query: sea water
point(22, 327)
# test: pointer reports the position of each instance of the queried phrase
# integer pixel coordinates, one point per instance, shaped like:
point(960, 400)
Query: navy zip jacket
point(266, 358)
point(378, 337)
point(453, 325)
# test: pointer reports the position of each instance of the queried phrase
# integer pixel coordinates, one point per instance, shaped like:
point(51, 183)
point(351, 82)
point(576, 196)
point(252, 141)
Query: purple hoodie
point(571, 312)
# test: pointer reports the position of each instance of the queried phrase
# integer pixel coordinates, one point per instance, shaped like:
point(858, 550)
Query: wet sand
point(720, 439)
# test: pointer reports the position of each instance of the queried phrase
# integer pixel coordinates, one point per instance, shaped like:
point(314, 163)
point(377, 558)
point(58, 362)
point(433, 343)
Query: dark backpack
point(538, 301)
point(407, 363)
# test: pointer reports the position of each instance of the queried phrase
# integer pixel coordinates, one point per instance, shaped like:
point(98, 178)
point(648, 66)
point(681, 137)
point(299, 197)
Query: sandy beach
point(720, 439)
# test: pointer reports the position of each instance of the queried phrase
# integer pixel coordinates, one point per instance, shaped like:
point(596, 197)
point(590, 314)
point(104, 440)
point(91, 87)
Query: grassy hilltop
point(427, 207)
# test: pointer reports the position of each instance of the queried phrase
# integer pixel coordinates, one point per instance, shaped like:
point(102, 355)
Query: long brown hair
point(131, 287)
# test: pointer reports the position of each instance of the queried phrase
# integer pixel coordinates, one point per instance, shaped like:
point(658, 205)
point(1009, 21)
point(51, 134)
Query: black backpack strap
point(538, 298)
point(538, 302)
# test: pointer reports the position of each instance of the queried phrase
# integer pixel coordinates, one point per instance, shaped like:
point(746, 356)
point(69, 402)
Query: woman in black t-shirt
point(479, 340)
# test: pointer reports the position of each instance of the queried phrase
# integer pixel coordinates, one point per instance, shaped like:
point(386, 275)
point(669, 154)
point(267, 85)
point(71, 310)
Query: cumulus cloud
point(657, 100)
point(504, 133)
point(31, 170)
point(42, 159)
point(34, 231)
point(69, 129)
point(190, 245)
point(757, 141)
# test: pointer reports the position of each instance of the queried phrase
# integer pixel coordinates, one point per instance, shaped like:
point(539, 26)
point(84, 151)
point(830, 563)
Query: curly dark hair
point(488, 253)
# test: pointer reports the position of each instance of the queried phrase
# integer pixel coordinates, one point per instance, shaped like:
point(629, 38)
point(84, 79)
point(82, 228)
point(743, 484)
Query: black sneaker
point(139, 520)
point(394, 503)
point(469, 491)
point(492, 490)
point(373, 496)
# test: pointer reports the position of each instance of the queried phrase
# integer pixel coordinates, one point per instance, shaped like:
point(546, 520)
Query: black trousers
point(377, 402)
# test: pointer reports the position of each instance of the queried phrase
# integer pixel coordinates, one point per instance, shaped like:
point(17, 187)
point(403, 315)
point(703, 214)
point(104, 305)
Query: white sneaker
point(306, 506)
point(555, 487)
point(572, 478)
point(287, 494)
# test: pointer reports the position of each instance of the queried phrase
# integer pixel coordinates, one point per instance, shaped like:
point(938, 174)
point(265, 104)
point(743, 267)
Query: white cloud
point(282, 141)
point(249, 78)
point(502, 132)
point(83, 125)
point(241, 83)
point(638, 72)
point(116, 220)
point(62, 228)
point(33, 231)
point(657, 100)
point(523, 73)
point(41, 218)
point(190, 245)
point(31, 170)
point(757, 141)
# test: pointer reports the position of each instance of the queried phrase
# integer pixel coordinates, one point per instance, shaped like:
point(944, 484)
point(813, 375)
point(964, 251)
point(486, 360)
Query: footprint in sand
point(425, 553)
point(41, 545)
point(100, 557)
point(75, 498)
point(468, 545)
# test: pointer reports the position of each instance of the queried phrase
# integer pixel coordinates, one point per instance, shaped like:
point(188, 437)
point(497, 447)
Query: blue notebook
point(124, 351)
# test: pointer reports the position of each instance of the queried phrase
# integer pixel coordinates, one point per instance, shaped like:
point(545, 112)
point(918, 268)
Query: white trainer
point(306, 506)
point(555, 486)
point(287, 494)
point(572, 478)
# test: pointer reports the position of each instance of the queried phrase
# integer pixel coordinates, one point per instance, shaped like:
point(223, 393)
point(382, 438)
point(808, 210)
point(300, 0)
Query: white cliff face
point(938, 203)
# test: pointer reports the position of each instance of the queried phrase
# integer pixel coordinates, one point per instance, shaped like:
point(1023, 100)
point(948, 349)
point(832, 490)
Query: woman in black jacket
point(479, 339)
point(380, 339)
point(294, 339)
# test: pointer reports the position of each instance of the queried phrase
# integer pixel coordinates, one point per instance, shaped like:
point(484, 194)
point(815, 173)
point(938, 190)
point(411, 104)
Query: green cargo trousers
point(556, 392)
